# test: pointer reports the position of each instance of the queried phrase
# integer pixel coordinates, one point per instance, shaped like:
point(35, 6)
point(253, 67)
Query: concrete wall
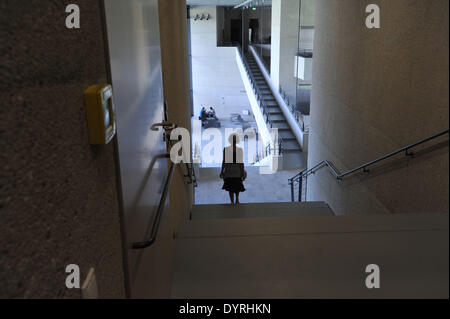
point(220, 25)
point(308, 13)
point(285, 41)
point(285, 19)
point(174, 50)
point(135, 51)
point(58, 198)
point(307, 19)
point(215, 75)
point(375, 91)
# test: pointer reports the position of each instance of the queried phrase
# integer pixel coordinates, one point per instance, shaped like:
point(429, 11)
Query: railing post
point(292, 191)
point(300, 188)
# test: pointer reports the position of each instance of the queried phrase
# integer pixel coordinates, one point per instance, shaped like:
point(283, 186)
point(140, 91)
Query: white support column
point(285, 19)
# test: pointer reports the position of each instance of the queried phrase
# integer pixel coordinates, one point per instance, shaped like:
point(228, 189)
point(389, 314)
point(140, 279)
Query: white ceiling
point(222, 2)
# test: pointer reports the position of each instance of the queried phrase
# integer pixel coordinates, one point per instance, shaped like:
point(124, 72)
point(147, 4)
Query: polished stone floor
point(259, 188)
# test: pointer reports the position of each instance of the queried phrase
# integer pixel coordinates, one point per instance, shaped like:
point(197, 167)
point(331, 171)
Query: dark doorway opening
point(254, 27)
point(236, 31)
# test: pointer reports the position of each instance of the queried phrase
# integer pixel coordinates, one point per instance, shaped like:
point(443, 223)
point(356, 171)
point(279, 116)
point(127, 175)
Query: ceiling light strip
point(243, 3)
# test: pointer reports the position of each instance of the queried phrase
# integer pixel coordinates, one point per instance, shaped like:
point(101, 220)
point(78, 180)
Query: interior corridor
point(105, 192)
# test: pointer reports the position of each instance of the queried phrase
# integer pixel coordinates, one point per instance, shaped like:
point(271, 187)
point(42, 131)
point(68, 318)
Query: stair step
point(286, 134)
point(295, 160)
point(264, 210)
point(291, 145)
point(311, 257)
point(277, 117)
point(306, 224)
point(292, 150)
point(281, 125)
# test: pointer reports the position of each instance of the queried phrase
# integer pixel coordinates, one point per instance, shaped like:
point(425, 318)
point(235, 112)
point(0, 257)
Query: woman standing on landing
point(233, 170)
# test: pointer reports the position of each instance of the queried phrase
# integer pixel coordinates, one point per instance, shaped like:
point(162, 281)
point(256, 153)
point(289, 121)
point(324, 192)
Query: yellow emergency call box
point(100, 114)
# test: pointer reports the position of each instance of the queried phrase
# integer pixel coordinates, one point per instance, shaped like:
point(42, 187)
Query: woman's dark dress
point(232, 184)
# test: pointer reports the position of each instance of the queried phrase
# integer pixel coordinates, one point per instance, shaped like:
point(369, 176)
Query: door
point(236, 31)
point(134, 45)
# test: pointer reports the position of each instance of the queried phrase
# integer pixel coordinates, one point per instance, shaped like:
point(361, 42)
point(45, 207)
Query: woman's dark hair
point(233, 139)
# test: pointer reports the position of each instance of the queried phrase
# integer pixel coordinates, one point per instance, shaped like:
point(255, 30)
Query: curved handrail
point(340, 176)
point(166, 125)
point(160, 210)
point(263, 61)
point(162, 202)
point(191, 175)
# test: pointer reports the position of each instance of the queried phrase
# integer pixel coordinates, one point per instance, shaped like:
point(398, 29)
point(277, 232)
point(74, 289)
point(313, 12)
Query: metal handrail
point(262, 103)
point(266, 66)
point(190, 169)
point(166, 125)
point(194, 177)
point(191, 175)
point(156, 222)
point(298, 115)
point(160, 210)
point(339, 176)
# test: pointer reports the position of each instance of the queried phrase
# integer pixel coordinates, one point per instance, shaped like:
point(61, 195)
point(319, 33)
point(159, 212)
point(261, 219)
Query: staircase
point(294, 250)
point(293, 157)
point(260, 210)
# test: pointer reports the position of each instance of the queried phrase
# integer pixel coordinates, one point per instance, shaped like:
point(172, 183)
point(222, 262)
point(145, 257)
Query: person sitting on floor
point(212, 113)
point(203, 114)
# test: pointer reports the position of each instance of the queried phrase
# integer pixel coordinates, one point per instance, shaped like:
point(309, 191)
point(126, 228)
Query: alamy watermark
point(210, 146)
point(373, 279)
point(373, 19)
point(73, 279)
point(73, 19)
